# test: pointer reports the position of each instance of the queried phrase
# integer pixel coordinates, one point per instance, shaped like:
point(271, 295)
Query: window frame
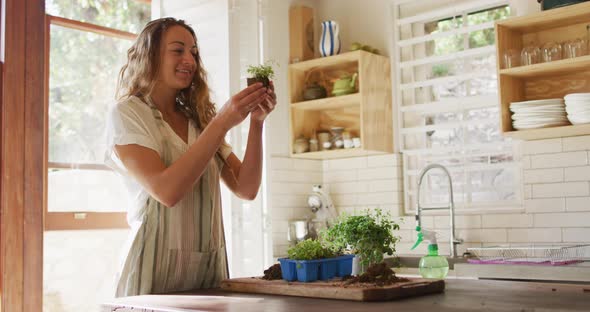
point(82, 220)
point(439, 14)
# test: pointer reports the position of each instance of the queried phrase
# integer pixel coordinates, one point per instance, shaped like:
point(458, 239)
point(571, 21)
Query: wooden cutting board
point(333, 289)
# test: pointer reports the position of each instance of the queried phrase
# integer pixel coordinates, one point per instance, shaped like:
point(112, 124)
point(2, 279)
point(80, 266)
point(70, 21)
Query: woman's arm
point(244, 178)
point(169, 184)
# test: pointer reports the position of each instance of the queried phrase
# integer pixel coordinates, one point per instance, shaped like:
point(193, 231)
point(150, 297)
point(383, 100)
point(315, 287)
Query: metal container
point(298, 231)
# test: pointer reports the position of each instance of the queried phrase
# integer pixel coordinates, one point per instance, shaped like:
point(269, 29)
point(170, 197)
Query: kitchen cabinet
point(365, 113)
point(553, 79)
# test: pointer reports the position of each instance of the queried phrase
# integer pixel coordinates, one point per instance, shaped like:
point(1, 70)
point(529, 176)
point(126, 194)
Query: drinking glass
point(574, 48)
point(551, 52)
point(510, 58)
point(530, 55)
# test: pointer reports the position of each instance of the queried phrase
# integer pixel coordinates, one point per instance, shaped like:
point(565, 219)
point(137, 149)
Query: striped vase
point(330, 39)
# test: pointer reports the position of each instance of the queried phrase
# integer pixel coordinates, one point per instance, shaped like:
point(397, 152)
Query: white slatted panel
point(247, 216)
point(446, 91)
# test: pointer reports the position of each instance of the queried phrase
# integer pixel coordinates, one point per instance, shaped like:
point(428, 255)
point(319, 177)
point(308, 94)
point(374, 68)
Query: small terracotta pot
point(264, 81)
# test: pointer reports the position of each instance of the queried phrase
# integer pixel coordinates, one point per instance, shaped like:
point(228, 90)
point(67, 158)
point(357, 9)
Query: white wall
point(209, 19)
point(556, 207)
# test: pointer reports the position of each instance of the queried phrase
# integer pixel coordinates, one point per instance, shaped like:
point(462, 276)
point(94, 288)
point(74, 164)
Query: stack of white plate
point(577, 106)
point(538, 114)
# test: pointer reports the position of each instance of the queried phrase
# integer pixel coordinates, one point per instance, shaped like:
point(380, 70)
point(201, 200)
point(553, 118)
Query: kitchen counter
point(459, 295)
point(459, 267)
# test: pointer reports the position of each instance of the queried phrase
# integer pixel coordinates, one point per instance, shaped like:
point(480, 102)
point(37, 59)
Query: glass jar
point(313, 145)
point(337, 140)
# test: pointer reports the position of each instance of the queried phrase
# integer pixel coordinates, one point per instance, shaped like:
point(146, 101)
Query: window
point(88, 41)
point(448, 107)
point(85, 219)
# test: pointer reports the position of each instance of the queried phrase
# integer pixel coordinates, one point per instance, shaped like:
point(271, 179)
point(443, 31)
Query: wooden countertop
point(459, 295)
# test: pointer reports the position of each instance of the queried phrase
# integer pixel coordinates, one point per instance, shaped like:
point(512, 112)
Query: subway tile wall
point(555, 210)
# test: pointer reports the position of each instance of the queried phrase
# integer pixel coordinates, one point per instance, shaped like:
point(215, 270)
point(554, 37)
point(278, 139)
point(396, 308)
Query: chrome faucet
point(453, 241)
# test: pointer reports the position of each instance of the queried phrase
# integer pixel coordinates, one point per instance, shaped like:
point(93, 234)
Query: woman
point(166, 139)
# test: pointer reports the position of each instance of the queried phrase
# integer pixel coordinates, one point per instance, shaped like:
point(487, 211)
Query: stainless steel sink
point(412, 261)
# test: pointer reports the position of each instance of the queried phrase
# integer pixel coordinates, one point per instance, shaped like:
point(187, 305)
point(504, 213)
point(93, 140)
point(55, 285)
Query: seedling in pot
point(261, 73)
point(369, 235)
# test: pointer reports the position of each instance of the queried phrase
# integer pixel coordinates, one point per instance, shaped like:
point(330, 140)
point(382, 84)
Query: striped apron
point(182, 247)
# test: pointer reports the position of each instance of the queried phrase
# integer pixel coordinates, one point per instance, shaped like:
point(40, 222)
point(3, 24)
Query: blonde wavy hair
point(138, 76)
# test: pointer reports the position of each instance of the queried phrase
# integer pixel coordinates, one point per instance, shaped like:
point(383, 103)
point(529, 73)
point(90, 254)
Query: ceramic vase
point(330, 38)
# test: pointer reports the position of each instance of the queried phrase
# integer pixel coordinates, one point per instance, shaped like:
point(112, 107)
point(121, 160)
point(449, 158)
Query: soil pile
point(273, 273)
point(379, 274)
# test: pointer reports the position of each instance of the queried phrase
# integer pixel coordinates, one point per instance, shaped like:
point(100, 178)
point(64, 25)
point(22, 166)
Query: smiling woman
point(167, 141)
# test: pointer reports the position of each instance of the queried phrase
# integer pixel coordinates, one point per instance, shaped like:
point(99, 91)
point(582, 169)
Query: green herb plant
point(369, 236)
point(309, 250)
point(262, 71)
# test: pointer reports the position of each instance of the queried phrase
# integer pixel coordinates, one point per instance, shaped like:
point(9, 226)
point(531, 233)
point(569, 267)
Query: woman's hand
point(267, 106)
point(237, 108)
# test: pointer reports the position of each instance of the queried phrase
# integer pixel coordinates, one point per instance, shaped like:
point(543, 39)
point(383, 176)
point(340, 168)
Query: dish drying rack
point(532, 254)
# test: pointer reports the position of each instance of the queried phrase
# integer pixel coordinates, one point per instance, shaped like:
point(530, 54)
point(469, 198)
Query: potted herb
point(369, 236)
point(261, 73)
point(310, 260)
point(309, 250)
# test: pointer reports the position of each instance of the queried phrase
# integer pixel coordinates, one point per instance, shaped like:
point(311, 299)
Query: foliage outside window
point(83, 69)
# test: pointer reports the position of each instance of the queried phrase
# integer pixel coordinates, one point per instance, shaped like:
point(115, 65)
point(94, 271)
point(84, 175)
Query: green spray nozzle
point(420, 238)
point(430, 236)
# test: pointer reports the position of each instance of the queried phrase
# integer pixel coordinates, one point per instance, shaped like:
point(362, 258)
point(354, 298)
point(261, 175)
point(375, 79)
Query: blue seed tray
point(312, 270)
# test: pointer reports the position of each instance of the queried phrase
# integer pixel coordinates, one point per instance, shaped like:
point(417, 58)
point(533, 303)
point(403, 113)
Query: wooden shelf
point(329, 61)
point(549, 133)
point(366, 114)
point(550, 19)
point(340, 153)
point(329, 102)
point(548, 69)
point(546, 80)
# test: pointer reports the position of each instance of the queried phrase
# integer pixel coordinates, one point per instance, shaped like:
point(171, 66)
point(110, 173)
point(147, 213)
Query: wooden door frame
point(22, 156)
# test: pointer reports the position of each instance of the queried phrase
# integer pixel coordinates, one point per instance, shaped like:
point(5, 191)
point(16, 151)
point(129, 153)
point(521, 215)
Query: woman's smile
point(185, 74)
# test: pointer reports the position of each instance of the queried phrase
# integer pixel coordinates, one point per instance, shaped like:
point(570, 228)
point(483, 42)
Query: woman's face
point(178, 65)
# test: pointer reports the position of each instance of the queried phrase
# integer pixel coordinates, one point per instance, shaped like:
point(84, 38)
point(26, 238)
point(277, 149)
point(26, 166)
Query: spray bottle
point(431, 265)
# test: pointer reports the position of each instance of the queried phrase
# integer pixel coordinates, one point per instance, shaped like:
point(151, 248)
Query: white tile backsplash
point(544, 205)
point(507, 221)
point(348, 187)
point(542, 146)
point(526, 162)
point(384, 185)
point(388, 160)
point(577, 173)
point(340, 176)
point(461, 222)
point(576, 235)
point(380, 173)
point(565, 219)
point(345, 164)
point(578, 143)
point(555, 207)
point(543, 175)
point(373, 199)
point(550, 235)
point(559, 160)
point(567, 189)
point(577, 204)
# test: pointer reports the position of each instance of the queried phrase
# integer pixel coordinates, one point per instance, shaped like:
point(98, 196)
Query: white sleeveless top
point(169, 249)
